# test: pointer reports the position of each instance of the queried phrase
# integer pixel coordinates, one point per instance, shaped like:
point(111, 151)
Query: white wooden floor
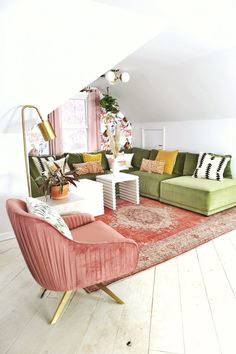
point(184, 306)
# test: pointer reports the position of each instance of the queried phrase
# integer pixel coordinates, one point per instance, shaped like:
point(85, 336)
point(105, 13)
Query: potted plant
point(109, 104)
point(57, 182)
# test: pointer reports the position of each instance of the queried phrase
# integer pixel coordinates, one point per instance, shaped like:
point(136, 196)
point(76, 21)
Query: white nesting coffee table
point(87, 197)
point(128, 186)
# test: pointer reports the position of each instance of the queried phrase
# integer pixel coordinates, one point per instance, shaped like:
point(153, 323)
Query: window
point(74, 124)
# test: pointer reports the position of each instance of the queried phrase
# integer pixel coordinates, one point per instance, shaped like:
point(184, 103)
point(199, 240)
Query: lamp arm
point(30, 106)
point(47, 132)
point(25, 145)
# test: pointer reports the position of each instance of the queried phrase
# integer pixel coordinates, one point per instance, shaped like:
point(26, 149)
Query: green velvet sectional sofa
point(179, 189)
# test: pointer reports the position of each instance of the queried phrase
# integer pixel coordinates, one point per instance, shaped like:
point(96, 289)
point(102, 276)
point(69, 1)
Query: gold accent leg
point(43, 293)
point(61, 306)
point(110, 293)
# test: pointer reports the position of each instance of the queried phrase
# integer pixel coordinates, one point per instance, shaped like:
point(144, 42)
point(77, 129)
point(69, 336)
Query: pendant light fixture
point(114, 75)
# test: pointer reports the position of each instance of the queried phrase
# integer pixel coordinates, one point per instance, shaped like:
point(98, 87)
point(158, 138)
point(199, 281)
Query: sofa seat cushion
point(149, 183)
point(109, 255)
point(132, 169)
point(98, 232)
point(201, 195)
point(92, 176)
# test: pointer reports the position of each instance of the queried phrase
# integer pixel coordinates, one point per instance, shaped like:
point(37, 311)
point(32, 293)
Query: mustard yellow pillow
point(169, 157)
point(92, 157)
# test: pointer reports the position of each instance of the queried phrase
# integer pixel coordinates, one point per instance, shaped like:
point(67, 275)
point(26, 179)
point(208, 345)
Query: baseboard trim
point(6, 236)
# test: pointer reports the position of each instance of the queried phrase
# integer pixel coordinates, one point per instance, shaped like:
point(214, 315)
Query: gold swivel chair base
point(66, 297)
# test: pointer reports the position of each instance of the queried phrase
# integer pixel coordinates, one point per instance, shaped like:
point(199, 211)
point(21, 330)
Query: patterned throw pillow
point(128, 159)
point(152, 166)
point(92, 157)
point(41, 163)
point(121, 161)
point(210, 167)
point(41, 209)
point(52, 167)
point(88, 167)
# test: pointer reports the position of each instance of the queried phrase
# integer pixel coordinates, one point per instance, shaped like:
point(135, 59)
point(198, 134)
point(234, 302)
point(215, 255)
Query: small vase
point(115, 167)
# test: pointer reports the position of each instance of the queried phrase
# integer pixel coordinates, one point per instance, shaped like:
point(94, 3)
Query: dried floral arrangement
point(114, 140)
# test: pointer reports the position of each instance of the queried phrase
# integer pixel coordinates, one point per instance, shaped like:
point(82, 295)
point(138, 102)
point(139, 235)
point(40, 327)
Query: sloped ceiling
point(51, 49)
point(188, 71)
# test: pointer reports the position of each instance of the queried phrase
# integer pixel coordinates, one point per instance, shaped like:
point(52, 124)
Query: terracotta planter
point(56, 192)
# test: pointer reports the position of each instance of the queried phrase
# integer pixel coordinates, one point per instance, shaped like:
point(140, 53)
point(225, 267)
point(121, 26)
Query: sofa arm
point(76, 220)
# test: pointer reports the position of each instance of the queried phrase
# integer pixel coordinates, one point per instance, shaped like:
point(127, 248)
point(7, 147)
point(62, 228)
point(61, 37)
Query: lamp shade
point(125, 77)
point(46, 130)
point(110, 76)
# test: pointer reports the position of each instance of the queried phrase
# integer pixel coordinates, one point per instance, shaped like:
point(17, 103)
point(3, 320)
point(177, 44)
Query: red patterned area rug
point(163, 231)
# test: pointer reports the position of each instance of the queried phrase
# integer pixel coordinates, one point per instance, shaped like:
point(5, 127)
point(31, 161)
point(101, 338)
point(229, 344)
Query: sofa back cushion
point(179, 164)
point(190, 164)
point(191, 161)
point(74, 158)
point(153, 154)
point(139, 155)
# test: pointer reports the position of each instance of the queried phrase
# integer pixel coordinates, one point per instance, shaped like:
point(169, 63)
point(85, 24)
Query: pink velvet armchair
point(96, 254)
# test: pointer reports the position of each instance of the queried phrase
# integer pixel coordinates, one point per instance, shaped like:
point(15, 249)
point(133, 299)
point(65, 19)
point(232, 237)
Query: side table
point(87, 197)
point(128, 185)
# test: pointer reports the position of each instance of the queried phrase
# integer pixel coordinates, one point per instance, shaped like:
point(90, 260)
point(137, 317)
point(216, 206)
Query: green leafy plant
point(110, 104)
point(56, 177)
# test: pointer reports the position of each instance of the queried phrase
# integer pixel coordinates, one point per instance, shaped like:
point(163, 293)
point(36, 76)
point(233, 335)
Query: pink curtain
point(94, 113)
point(56, 145)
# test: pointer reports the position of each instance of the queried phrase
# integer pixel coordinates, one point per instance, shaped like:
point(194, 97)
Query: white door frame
point(162, 129)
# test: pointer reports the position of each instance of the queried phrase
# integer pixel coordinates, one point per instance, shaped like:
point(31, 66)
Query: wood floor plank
point(221, 297)
point(198, 325)
point(7, 244)
point(134, 324)
point(18, 303)
point(95, 324)
point(160, 352)
point(11, 264)
point(166, 324)
point(66, 335)
point(227, 256)
point(232, 237)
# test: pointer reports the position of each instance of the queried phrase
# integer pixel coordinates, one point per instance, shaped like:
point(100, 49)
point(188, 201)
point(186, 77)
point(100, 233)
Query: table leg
point(129, 190)
point(109, 192)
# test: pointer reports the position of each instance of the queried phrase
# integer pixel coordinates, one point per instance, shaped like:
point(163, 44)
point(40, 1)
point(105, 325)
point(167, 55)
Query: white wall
point(217, 136)
point(50, 50)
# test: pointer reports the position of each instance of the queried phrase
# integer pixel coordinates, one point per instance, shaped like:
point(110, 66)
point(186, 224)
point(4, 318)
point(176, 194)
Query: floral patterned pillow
point(50, 215)
point(152, 166)
point(88, 167)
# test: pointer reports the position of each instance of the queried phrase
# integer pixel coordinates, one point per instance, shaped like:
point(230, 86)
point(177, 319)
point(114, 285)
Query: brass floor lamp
point(47, 132)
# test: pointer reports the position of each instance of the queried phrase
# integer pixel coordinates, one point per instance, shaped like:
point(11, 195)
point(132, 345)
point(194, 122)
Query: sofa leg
point(61, 306)
point(110, 293)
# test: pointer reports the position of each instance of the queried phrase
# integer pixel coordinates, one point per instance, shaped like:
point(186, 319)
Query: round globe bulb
point(125, 77)
point(110, 76)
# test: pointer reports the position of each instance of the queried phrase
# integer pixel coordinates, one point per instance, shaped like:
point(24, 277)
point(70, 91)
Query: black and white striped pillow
point(210, 167)
point(41, 163)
